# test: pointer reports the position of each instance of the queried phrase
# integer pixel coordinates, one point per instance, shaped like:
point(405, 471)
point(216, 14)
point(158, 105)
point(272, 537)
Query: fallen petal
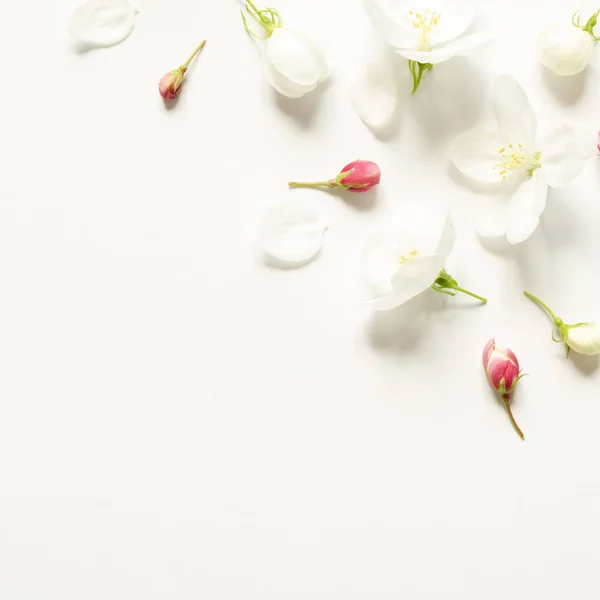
point(102, 23)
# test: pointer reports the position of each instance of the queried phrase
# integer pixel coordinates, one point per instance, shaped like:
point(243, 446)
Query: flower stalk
point(589, 25)
point(506, 402)
point(446, 284)
point(268, 18)
point(418, 70)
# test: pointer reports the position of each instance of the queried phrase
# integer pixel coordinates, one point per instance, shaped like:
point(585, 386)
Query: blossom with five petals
point(515, 157)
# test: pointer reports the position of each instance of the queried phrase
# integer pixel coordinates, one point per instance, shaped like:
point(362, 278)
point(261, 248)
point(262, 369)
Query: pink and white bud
point(502, 370)
point(170, 83)
point(361, 176)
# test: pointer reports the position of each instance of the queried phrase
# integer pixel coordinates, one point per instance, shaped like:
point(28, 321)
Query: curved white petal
point(295, 56)
point(439, 54)
point(102, 22)
point(584, 339)
point(476, 154)
point(415, 277)
point(515, 115)
point(291, 232)
point(565, 49)
point(491, 217)
point(525, 207)
point(388, 18)
point(456, 17)
point(283, 85)
point(447, 239)
point(565, 151)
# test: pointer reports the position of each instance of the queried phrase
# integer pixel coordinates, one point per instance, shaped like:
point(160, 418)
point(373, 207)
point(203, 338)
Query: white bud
point(565, 49)
point(584, 339)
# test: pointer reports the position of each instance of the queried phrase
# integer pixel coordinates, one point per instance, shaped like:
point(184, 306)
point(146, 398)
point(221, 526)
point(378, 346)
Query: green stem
point(186, 64)
point(417, 71)
point(506, 400)
point(297, 184)
point(558, 322)
point(481, 298)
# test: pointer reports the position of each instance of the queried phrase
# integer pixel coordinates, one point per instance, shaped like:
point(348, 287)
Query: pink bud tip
point(363, 175)
point(170, 83)
point(501, 366)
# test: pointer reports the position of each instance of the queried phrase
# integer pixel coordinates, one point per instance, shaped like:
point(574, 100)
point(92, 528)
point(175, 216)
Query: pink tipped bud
point(360, 176)
point(170, 83)
point(502, 370)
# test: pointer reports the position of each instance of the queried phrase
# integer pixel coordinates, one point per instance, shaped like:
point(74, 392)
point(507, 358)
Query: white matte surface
point(180, 421)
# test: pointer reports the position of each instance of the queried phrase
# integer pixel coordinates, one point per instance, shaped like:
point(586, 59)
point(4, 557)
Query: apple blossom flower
point(402, 263)
point(292, 62)
point(514, 159)
point(170, 83)
point(502, 370)
point(584, 338)
point(358, 176)
point(291, 232)
point(425, 33)
point(102, 23)
point(567, 49)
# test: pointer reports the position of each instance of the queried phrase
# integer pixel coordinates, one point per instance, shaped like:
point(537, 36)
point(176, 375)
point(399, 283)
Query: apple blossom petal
point(456, 17)
point(502, 370)
point(565, 49)
point(487, 352)
point(102, 23)
point(283, 85)
point(515, 115)
point(415, 277)
point(388, 18)
point(476, 155)
point(291, 232)
point(525, 207)
point(565, 151)
point(295, 56)
point(447, 239)
point(439, 54)
point(584, 339)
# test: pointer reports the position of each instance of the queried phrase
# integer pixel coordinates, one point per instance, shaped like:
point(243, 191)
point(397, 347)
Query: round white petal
point(295, 56)
point(102, 22)
point(283, 85)
point(565, 151)
point(291, 232)
point(476, 154)
point(565, 49)
point(525, 207)
point(584, 339)
point(439, 54)
point(388, 18)
point(516, 119)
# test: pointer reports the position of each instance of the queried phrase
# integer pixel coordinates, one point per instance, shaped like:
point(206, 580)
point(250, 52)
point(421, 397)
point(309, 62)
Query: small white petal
point(516, 119)
point(283, 85)
point(295, 56)
point(525, 207)
point(102, 22)
point(476, 154)
point(388, 18)
point(374, 95)
point(565, 49)
point(439, 54)
point(291, 232)
point(584, 339)
point(565, 151)
point(456, 18)
point(447, 239)
point(415, 277)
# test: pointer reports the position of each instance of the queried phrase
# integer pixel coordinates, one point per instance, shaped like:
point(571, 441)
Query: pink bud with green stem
point(358, 176)
point(170, 83)
point(502, 370)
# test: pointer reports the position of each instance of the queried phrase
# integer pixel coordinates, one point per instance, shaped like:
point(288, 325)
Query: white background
point(179, 420)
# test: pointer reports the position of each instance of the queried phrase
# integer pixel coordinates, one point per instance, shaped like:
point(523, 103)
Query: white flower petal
point(102, 22)
point(565, 49)
point(374, 95)
point(491, 217)
point(516, 119)
point(283, 85)
point(439, 54)
point(584, 339)
point(291, 232)
point(295, 56)
point(476, 154)
point(456, 17)
point(565, 151)
point(415, 277)
point(388, 18)
point(447, 239)
point(525, 207)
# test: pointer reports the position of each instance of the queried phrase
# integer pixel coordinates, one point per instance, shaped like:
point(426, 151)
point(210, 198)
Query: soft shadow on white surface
point(449, 99)
point(586, 365)
point(302, 110)
point(568, 90)
point(360, 201)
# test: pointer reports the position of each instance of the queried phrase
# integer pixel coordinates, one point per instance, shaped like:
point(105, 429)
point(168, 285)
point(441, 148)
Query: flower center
point(411, 256)
point(423, 23)
point(516, 157)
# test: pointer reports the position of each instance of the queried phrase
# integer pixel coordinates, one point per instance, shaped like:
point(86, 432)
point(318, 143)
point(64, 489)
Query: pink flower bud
point(502, 370)
point(170, 83)
point(598, 146)
point(362, 176)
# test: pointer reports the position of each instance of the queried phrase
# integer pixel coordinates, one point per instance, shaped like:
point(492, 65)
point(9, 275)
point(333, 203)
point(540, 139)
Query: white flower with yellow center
point(514, 156)
point(426, 32)
point(401, 263)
